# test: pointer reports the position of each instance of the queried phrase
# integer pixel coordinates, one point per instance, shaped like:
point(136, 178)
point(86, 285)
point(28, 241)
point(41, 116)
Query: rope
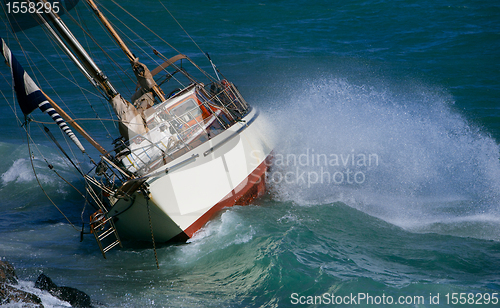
point(139, 36)
point(141, 23)
point(152, 234)
point(192, 40)
point(38, 181)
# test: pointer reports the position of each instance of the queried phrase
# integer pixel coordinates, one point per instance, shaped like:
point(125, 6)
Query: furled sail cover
point(29, 95)
point(21, 13)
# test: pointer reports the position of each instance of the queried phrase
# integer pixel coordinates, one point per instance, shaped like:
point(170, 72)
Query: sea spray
point(428, 165)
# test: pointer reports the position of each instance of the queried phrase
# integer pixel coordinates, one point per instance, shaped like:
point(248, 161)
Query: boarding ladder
point(104, 231)
point(102, 225)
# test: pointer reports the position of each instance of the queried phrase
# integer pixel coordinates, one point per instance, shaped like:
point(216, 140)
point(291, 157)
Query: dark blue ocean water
point(387, 175)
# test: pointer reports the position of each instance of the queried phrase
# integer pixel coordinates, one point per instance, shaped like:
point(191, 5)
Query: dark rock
point(74, 296)
point(45, 283)
point(9, 294)
point(7, 273)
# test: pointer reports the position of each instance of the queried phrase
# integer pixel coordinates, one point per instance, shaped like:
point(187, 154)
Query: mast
point(68, 52)
point(81, 53)
point(141, 71)
point(131, 120)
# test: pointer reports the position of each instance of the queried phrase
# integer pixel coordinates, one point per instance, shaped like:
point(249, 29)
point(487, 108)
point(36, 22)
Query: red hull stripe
point(249, 189)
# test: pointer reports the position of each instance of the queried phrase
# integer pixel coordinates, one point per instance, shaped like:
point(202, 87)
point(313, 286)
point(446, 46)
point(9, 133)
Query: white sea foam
point(216, 235)
point(432, 164)
point(48, 301)
point(21, 172)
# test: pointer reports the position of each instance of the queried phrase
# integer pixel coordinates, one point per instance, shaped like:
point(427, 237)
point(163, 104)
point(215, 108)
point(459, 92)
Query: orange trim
point(252, 187)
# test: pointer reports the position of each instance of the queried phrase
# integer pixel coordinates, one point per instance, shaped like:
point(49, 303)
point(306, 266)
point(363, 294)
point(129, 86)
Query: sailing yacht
point(178, 158)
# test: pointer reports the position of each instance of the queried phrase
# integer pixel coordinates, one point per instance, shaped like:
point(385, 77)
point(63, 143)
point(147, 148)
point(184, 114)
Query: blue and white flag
point(29, 95)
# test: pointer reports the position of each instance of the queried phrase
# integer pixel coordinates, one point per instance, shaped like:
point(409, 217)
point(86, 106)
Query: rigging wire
point(106, 53)
point(183, 29)
point(140, 22)
point(138, 36)
point(12, 107)
point(129, 40)
point(28, 137)
point(194, 42)
point(159, 37)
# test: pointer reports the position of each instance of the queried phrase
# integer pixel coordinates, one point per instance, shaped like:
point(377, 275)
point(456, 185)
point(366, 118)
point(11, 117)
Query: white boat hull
point(183, 195)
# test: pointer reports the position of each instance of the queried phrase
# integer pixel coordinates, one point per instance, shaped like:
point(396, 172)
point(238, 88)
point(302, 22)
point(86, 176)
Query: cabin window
point(188, 110)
